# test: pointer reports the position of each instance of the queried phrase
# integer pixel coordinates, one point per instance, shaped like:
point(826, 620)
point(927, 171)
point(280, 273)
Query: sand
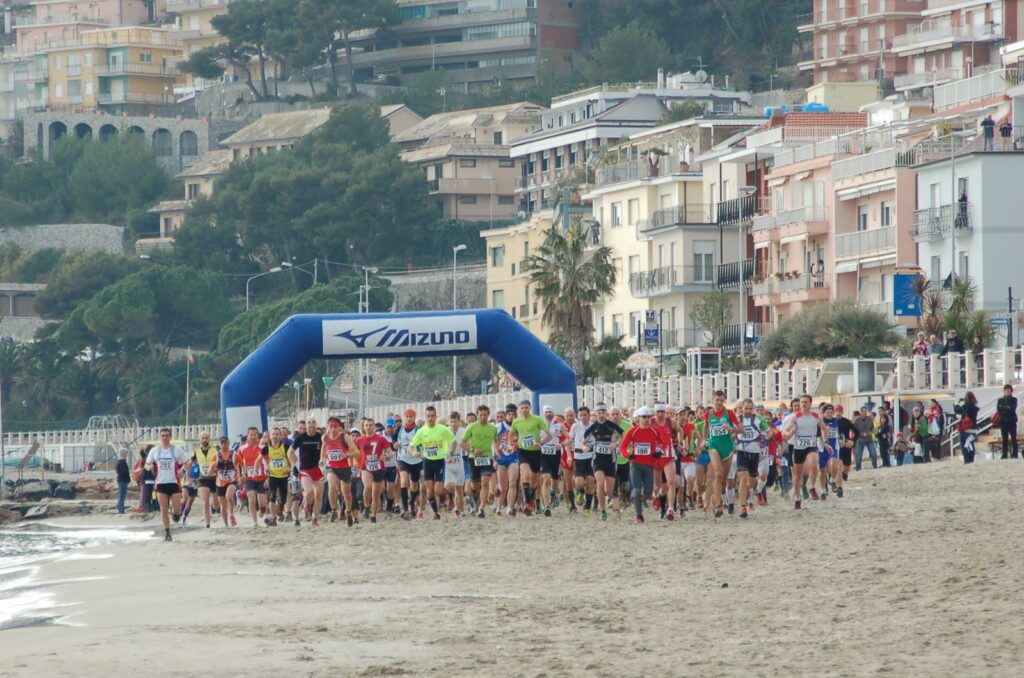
point(916, 572)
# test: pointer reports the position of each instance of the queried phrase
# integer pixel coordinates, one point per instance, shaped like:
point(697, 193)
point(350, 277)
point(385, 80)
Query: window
point(57, 62)
point(497, 138)
point(961, 188)
point(544, 162)
point(634, 320)
point(506, 162)
point(616, 211)
point(467, 199)
point(862, 217)
point(634, 210)
point(936, 274)
point(146, 57)
point(617, 325)
point(780, 199)
point(558, 160)
point(704, 261)
point(498, 299)
point(634, 265)
point(58, 90)
point(506, 200)
point(87, 59)
point(168, 226)
point(886, 213)
point(88, 88)
point(962, 268)
point(467, 162)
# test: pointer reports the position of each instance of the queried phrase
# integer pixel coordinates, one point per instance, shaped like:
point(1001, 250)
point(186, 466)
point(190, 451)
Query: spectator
point(936, 425)
point(436, 397)
point(1005, 132)
point(145, 479)
point(865, 427)
point(123, 477)
point(1006, 410)
point(967, 425)
point(899, 449)
point(934, 346)
point(988, 130)
point(954, 344)
point(920, 346)
point(978, 350)
point(884, 436)
point(920, 434)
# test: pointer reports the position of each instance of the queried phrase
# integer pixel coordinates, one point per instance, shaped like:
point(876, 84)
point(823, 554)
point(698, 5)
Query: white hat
point(643, 412)
point(548, 408)
point(660, 407)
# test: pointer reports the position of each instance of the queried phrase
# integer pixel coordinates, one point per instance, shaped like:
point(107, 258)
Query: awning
point(869, 189)
point(777, 181)
point(761, 245)
point(793, 238)
point(878, 262)
point(800, 176)
point(846, 266)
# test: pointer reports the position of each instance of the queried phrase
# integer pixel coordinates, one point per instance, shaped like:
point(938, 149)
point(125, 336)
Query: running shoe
point(527, 512)
point(420, 516)
point(579, 497)
point(639, 520)
point(233, 522)
point(406, 516)
point(670, 515)
point(366, 514)
point(572, 510)
point(814, 494)
point(743, 512)
point(718, 512)
point(316, 523)
point(732, 509)
point(604, 516)
point(656, 504)
point(824, 496)
point(806, 493)
point(167, 535)
point(348, 519)
point(481, 514)
point(509, 513)
point(373, 520)
point(334, 515)
point(175, 517)
point(547, 513)
point(796, 505)
point(839, 492)
point(298, 523)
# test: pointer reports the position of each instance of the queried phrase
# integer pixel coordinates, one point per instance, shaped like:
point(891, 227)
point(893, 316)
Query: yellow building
point(275, 132)
point(197, 32)
point(120, 70)
point(508, 287)
point(198, 180)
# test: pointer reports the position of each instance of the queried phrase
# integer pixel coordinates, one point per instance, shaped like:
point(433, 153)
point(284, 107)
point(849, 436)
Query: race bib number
point(277, 463)
point(481, 461)
point(373, 465)
point(528, 441)
point(749, 434)
point(252, 470)
point(805, 442)
point(549, 449)
point(719, 430)
point(334, 455)
point(642, 450)
point(204, 470)
point(785, 462)
point(603, 448)
point(431, 451)
point(165, 464)
point(227, 475)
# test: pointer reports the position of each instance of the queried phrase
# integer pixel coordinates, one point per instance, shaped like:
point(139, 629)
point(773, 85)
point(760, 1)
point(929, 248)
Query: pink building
point(853, 39)
point(55, 22)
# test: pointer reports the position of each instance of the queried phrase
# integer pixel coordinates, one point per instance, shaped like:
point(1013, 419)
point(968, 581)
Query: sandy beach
point(916, 572)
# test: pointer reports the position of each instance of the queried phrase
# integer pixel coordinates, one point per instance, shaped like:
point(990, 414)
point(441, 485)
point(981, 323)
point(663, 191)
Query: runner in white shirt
point(583, 460)
point(454, 469)
point(550, 459)
point(165, 461)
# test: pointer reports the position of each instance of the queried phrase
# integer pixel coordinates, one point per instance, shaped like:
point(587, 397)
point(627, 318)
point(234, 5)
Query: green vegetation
point(713, 313)
point(835, 330)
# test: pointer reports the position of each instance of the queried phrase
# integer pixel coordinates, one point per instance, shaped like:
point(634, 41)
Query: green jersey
point(530, 431)
point(717, 425)
point(625, 425)
point(434, 442)
point(481, 439)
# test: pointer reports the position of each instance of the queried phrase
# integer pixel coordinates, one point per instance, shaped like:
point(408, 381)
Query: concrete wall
point(84, 237)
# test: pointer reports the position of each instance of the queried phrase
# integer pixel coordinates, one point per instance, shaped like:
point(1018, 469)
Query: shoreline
point(913, 573)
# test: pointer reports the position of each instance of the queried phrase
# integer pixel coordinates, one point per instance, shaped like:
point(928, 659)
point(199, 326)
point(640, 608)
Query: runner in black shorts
point(602, 438)
point(806, 425)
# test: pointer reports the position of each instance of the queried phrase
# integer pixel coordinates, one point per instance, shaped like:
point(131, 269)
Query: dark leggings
point(1009, 435)
point(883, 449)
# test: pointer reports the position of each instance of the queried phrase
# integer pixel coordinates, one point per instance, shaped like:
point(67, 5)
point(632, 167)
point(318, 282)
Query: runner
point(339, 451)
point(480, 441)
point(529, 433)
point(391, 467)
point(206, 456)
point(467, 472)
point(621, 463)
point(583, 452)
point(719, 425)
point(454, 467)
point(306, 449)
point(602, 437)
point(804, 426)
point(828, 462)
point(848, 435)
point(164, 460)
point(227, 482)
point(641, 444)
point(275, 455)
point(665, 476)
point(687, 460)
point(410, 468)
point(249, 459)
point(753, 432)
point(551, 455)
point(189, 480)
point(703, 459)
point(433, 442)
point(372, 447)
point(508, 463)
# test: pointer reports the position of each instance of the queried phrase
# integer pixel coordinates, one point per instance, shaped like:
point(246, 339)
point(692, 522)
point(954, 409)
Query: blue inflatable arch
point(301, 338)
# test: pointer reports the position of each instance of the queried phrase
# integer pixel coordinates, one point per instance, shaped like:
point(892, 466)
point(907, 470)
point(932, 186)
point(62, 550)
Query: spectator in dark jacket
point(968, 412)
point(1006, 408)
point(954, 344)
point(123, 477)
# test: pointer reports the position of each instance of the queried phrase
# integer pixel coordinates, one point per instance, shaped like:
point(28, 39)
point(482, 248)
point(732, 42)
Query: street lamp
point(455, 266)
point(276, 269)
point(744, 192)
point(290, 266)
point(364, 307)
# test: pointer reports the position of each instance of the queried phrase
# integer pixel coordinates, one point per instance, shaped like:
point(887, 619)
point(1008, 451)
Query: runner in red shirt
point(565, 443)
point(372, 447)
point(249, 458)
point(665, 480)
point(338, 450)
point(641, 444)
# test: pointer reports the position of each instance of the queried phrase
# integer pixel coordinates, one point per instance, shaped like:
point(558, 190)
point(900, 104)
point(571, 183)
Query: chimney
point(661, 78)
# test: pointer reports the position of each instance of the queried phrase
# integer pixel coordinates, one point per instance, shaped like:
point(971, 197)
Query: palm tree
point(569, 277)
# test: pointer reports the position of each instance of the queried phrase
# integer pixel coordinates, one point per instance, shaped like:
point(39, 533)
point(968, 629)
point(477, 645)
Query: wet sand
point(916, 572)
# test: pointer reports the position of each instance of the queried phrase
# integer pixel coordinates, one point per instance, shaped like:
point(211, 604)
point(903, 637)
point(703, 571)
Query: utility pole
point(1009, 317)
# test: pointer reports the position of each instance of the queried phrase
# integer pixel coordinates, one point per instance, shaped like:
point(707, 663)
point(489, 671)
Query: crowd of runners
point(595, 462)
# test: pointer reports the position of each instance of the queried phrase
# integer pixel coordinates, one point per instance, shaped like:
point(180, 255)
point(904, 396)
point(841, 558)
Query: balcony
point(764, 288)
point(803, 287)
point(526, 183)
point(864, 243)
point(183, 5)
point(134, 98)
point(134, 69)
point(461, 186)
point(933, 223)
point(911, 81)
point(731, 337)
point(623, 172)
point(931, 34)
point(399, 55)
point(977, 88)
point(729, 273)
point(39, 73)
point(670, 279)
point(728, 212)
point(811, 221)
point(863, 164)
point(680, 215)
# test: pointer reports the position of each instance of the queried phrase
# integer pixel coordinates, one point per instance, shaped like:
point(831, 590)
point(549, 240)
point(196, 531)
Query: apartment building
point(579, 125)
point(198, 182)
point(399, 118)
point(475, 42)
point(853, 40)
point(121, 70)
point(508, 284)
point(955, 40)
point(465, 156)
point(274, 132)
point(52, 23)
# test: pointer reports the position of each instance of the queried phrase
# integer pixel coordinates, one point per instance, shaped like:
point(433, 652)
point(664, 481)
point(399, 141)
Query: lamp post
point(364, 307)
point(455, 267)
point(292, 267)
point(276, 269)
point(744, 192)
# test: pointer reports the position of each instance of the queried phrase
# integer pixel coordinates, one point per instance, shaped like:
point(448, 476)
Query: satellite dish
point(706, 336)
point(701, 75)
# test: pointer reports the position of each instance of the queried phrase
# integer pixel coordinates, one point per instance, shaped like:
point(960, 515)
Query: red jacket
point(644, 441)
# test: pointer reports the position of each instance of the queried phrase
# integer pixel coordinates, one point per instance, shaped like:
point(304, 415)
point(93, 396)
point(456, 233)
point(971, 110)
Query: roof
point(461, 123)
point(454, 150)
point(209, 164)
point(388, 110)
point(169, 206)
point(281, 127)
point(641, 108)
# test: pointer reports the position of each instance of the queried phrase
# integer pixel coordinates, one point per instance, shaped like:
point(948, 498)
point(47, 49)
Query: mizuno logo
point(359, 340)
point(408, 335)
point(400, 338)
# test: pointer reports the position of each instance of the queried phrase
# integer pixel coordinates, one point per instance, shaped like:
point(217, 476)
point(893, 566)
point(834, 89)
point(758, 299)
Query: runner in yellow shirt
point(433, 442)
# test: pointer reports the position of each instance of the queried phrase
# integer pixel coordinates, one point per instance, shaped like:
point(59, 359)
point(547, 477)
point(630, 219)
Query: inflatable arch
point(301, 338)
